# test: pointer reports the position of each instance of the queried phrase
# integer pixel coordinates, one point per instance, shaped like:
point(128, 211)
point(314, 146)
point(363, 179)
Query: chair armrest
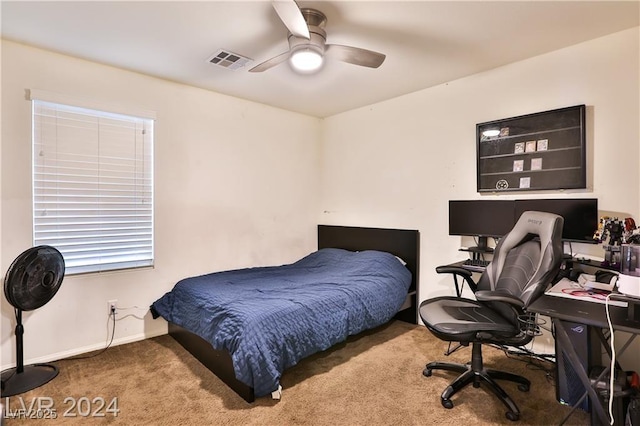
point(448, 269)
point(458, 271)
point(498, 296)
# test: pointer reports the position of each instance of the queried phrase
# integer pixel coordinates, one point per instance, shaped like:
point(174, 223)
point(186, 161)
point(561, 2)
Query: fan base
point(33, 376)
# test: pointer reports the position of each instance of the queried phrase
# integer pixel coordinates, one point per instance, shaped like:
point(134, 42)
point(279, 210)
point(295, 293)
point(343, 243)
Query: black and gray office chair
point(525, 261)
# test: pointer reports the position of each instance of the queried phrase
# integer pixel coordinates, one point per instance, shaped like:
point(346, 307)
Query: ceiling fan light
point(306, 60)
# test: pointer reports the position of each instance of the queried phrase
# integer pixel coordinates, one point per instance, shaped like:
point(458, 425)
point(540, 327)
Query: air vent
point(227, 59)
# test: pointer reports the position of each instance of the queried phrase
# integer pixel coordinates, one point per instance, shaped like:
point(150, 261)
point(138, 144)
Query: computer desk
point(591, 314)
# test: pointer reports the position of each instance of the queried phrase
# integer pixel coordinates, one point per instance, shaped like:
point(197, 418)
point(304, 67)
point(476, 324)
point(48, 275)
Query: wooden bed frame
point(400, 242)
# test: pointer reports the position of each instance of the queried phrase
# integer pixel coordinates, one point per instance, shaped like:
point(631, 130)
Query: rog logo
point(578, 328)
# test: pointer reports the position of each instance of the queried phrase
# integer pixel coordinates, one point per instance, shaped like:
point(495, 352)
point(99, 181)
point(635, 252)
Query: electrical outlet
point(112, 306)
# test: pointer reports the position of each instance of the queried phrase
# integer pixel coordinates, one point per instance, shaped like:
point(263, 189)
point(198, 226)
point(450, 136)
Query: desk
point(593, 315)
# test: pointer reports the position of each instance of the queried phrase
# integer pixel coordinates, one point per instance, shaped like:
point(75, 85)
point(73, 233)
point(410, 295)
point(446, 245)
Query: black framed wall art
point(540, 151)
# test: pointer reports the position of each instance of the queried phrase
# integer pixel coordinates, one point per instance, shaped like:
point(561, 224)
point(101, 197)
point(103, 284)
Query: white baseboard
point(85, 349)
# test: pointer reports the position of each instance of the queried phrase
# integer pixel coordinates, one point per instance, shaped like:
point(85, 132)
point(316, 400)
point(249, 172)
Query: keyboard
point(476, 265)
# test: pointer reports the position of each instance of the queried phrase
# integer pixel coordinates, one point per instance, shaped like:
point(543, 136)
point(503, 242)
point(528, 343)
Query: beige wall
point(241, 184)
point(236, 185)
point(397, 163)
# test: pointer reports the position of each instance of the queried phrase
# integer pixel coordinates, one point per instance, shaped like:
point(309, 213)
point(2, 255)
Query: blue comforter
point(270, 318)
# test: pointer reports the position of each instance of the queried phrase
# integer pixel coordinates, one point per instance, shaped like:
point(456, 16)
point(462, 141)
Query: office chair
point(525, 261)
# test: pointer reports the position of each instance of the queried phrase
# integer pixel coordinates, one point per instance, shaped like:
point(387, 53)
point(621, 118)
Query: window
point(92, 186)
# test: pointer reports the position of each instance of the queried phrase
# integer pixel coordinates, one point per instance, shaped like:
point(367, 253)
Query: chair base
point(475, 374)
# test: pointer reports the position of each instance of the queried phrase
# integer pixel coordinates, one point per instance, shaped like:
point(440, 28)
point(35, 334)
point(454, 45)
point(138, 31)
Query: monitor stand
point(482, 244)
point(482, 247)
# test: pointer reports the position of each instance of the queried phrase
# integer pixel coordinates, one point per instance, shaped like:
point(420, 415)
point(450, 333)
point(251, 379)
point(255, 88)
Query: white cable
point(130, 307)
point(131, 315)
point(613, 360)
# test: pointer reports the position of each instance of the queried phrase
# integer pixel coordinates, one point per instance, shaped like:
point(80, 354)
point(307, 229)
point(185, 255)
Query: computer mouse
point(605, 276)
point(574, 273)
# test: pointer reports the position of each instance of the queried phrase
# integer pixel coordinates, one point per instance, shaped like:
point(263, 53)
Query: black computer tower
point(585, 341)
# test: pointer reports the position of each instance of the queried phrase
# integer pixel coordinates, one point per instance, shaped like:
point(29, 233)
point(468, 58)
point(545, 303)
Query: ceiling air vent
point(227, 59)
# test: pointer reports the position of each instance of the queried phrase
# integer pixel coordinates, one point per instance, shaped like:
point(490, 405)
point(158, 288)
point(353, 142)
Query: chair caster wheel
point(427, 372)
point(447, 403)
point(512, 416)
point(523, 388)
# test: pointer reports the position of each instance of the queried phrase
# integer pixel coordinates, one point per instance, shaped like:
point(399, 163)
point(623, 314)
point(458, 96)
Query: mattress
point(269, 318)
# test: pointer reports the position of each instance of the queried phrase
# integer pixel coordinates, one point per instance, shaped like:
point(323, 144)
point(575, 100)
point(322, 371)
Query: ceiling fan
point(307, 42)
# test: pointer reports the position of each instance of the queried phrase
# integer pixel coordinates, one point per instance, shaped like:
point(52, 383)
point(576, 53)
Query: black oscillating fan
point(32, 280)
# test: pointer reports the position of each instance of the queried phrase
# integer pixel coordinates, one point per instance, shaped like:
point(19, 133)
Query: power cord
point(131, 315)
point(112, 315)
point(613, 360)
point(525, 352)
point(532, 360)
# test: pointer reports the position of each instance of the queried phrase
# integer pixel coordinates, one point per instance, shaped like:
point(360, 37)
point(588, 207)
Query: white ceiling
point(426, 42)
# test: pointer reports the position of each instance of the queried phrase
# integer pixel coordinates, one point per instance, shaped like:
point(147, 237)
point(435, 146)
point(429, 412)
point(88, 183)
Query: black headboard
point(404, 243)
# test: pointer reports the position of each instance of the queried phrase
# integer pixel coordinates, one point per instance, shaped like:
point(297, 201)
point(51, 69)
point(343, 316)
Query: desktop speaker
point(584, 340)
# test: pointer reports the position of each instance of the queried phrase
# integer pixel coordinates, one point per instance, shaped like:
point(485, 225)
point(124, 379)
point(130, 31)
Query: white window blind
point(93, 186)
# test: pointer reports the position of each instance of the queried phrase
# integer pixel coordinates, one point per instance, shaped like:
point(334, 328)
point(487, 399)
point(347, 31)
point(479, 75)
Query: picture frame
point(536, 163)
point(551, 143)
point(519, 148)
point(542, 145)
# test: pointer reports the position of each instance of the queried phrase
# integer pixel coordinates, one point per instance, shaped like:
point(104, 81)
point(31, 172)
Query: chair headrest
point(548, 228)
point(544, 225)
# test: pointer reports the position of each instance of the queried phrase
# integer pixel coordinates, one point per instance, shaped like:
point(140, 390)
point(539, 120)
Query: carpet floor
point(373, 379)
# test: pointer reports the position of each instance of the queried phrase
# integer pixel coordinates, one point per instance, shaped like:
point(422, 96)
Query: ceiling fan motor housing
point(313, 17)
point(316, 21)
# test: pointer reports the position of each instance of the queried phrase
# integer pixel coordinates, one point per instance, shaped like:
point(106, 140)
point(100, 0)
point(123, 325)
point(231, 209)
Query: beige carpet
point(375, 379)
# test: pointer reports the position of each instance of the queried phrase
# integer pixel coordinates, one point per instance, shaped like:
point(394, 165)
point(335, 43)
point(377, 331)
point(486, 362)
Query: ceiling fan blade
point(290, 15)
point(354, 55)
point(269, 63)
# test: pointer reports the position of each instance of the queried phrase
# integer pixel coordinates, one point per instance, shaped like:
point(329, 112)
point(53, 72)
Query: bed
point(247, 326)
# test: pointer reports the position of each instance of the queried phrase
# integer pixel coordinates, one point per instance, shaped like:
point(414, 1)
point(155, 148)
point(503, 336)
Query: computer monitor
point(580, 215)
point(481, 218)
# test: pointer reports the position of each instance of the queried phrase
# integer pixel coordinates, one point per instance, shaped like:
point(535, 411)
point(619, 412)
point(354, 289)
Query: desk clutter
point(603, 286)
point(574, 290)
point(625, 278)
point(629, 279)
point(614, 233)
